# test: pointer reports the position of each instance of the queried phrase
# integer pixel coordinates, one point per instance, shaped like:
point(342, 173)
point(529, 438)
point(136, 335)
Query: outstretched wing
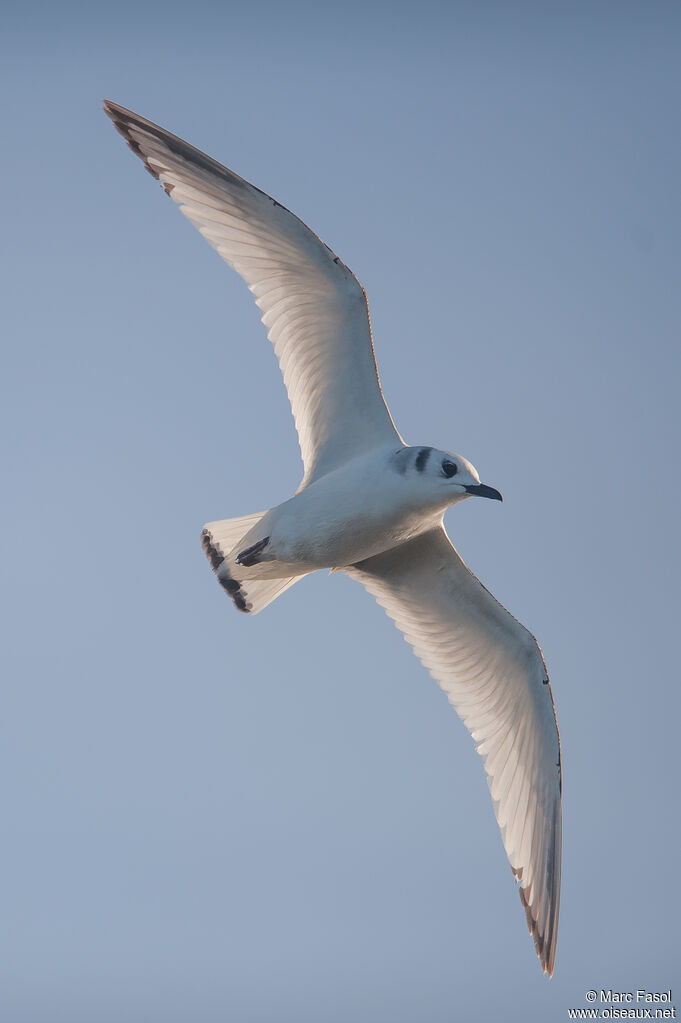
point(314, 308)
point(493, 672)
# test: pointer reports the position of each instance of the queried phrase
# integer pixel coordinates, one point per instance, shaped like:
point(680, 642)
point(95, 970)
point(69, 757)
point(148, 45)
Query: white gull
point(373, 506)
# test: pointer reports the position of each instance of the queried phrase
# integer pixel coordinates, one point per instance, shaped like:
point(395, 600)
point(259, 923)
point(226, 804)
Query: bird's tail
point(221, 541)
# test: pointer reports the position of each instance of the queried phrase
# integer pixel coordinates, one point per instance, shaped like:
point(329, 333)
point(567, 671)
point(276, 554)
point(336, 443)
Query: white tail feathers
point(219, 539)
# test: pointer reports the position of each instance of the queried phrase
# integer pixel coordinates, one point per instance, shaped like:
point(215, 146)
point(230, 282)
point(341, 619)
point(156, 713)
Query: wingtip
point(124, 121)
point(114, 110)
point(109, 105)
point(544, 944)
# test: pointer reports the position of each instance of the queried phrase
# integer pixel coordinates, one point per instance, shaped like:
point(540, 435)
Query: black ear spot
point(449, 468)
point(422, 459)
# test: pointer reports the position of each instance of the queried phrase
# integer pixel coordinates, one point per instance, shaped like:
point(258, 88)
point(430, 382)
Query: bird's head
point(449, 478)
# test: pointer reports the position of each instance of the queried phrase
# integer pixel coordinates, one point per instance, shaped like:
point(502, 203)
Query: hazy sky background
point(208, 817)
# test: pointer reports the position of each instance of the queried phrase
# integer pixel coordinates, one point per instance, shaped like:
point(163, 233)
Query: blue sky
point(210, 817)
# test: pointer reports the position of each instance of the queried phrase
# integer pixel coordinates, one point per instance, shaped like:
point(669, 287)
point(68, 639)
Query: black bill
point(482, 490)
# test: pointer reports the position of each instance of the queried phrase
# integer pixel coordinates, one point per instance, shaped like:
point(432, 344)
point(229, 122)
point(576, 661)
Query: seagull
point(373, 506)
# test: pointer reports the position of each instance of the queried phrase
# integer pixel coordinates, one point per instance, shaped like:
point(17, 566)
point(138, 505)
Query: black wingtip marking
point(533, 929)
point(544, 944)
point(122, 121)
point(125, 121)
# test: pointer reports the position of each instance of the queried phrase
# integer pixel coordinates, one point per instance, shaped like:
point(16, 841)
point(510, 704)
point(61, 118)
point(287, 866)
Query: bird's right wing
point(314, 308)
point(493, 672)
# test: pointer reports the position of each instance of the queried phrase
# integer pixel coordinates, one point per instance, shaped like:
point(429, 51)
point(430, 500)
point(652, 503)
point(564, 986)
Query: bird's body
point(375, 502)
point(373, 506)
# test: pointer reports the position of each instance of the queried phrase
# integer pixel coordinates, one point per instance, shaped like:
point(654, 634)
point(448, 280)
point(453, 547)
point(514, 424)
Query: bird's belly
point(334, 533)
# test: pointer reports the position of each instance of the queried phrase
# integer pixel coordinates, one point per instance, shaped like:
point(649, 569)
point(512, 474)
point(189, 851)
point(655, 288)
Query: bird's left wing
point(314, 308)
point(494, 675)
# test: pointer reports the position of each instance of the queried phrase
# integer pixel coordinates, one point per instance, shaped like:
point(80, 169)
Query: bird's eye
point(449, 468)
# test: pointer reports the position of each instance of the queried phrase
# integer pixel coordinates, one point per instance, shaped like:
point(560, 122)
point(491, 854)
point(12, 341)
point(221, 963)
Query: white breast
point(362, 509)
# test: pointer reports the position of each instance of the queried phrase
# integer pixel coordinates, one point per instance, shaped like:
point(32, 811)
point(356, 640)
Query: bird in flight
point(373, 506)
